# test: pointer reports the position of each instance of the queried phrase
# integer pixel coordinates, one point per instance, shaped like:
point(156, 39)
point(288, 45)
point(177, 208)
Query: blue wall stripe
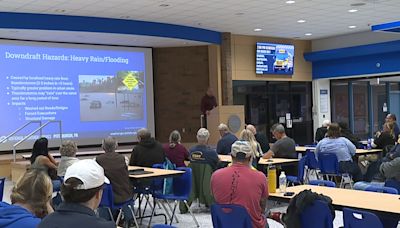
point(385, 26)
point(106, 25)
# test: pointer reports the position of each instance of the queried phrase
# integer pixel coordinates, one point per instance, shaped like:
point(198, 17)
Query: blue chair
point(393, 184)
point(317, 215)
point(182, 186)
point(2, 183)
point(359, 219)
point(329, 166)
point(323, 183)
point(230, 216)
point(163, 226)
point(312, 163)
point(299, 179)
point(383, 189)
point(107, 201)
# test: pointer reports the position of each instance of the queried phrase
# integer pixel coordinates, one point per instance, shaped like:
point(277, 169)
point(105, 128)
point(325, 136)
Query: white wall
point(318, 116)
point(354, 39)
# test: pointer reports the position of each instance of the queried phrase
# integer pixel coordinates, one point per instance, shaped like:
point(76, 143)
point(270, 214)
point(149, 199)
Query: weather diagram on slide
point(111, 97)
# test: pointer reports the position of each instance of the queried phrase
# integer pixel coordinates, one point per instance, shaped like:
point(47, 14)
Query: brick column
point(226, 69)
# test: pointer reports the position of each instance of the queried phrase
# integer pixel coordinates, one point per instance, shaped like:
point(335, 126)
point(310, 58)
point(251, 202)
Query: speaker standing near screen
point(208, 102)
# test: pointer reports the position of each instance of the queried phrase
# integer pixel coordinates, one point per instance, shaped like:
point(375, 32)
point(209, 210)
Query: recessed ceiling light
point(59, 10)
point(125, 17)
point(164, 5)
point(290, 2)
point(239, 14)
point(308, 34)
point(352, 10)
point(352, 26)
point(358, 4)
point(257, 30)
point(301, 21)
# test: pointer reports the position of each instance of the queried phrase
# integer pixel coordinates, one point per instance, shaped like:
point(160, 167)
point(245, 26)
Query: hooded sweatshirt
point(13, 216)
point(147, 153)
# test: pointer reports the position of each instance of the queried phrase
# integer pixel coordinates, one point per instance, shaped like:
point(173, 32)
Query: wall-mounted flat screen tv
point(274, 58)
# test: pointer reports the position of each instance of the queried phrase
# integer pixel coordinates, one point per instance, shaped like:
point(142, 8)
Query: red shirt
point(176, 155)
point(239, 184)
point(208, 103)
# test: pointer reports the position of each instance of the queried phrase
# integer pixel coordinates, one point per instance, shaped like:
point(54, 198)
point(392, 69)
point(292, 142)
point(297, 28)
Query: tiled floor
point(202, 214)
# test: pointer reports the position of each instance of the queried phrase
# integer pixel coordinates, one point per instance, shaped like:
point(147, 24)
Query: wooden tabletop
point(155, 172)
point(302, 149)
point(273, 161)
point(372, 201)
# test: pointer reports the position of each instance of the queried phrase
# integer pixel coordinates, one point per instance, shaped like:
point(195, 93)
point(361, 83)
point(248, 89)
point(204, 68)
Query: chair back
point(2, 183)
point(230, 216)
point(163, 226)
point(301, 168)
point(107, 200)
point(328, 163)
point(360, 219)
point(393, 184)
point(182, 184)
point(157, 184)
point(317, 215)
point(383, 189)
point(311, 162)
point(323, 183)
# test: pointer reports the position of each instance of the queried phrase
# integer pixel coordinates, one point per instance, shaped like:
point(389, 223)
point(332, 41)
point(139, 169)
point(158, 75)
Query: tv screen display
point(274, 58)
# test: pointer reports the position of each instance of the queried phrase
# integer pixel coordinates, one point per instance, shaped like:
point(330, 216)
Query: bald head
point(251, 128)
point(109, 144)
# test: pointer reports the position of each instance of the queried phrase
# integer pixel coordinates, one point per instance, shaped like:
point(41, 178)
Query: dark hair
point(73, 195)
point(333, 131)
point(40, 147)
point(343, 125)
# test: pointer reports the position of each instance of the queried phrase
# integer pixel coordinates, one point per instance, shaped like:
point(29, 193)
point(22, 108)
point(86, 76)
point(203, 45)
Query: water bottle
point(369, 144)
point(282, 182)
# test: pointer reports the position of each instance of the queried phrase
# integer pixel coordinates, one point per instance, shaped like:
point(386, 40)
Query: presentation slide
point(274, 58)
point(95, 91)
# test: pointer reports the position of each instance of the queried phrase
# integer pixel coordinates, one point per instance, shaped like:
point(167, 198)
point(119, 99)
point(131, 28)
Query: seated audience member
point(239, 184)
point(115, 169)
point(175, 151)
point(41, 157)
point(321, 131)
point(148, 151)
point(391, 169)
point(247, 135)
point(82, 191)
point(343, 149)
point(384, 138)
point(202, 153)
point(226, 141)
point(284, 147)
point(345, 132)
point(392, 118)
point(30, 200)
point(68, 151)
point(260, 138)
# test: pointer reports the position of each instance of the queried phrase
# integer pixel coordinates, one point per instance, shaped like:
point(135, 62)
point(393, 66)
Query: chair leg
point(119, 216)
point(191, 213)
point(152, 211)
point(173, 212)
point(169, 206)
point(133, 215)
point(111, 215)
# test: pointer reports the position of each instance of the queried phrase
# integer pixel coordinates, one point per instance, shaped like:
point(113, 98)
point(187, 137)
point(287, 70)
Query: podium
point(231, 115)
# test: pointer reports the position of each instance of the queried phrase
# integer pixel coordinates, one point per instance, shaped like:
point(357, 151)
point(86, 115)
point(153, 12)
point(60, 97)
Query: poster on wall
point(323, 100)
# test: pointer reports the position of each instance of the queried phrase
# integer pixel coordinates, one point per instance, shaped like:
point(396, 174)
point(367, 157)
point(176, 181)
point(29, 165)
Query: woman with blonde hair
point(247, 135)
point(386, 137)
point(30, 201)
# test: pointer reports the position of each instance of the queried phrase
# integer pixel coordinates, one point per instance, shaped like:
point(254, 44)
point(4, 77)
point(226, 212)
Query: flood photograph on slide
point(111, 97)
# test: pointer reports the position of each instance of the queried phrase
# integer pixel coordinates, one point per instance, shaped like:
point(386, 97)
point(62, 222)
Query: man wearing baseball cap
point(239, 184)
point(82, 191)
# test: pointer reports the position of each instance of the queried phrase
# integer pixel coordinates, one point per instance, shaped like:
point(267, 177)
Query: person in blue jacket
point(30, 201)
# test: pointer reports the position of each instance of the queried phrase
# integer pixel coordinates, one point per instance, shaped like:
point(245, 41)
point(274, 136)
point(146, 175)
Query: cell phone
point(288, 194)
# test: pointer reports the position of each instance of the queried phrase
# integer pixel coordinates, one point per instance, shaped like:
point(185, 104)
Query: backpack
point(168, 182)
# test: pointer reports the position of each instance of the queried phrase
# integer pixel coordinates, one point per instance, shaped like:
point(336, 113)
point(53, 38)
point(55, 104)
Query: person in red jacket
point(208, 102)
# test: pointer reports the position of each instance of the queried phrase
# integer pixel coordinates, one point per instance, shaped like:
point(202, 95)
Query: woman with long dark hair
point(41, 158)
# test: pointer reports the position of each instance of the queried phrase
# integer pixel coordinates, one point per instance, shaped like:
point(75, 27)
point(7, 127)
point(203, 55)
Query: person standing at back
point(175, 151)
point(284, 147)
point(241, 185)
point(226, 140)
point(208, 103)
point(392, 118)
point(115, 169)
point(148, 151)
